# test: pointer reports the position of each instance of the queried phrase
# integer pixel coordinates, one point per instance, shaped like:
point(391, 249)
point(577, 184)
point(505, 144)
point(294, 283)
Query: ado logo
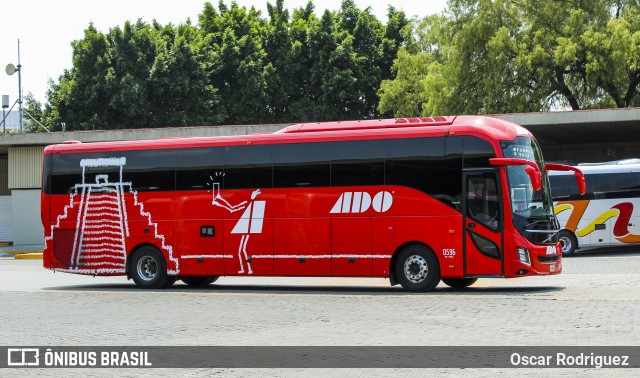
point(359, 202)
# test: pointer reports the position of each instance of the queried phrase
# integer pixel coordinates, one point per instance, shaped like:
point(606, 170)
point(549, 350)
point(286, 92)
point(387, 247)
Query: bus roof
point(602, 168)
point(491, 128)
point(367, 124)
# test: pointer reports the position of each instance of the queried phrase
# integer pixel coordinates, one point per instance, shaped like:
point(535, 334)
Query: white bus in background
point(607, 215)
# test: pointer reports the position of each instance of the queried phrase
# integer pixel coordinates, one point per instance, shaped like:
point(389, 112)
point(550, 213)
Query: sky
point(47, 28)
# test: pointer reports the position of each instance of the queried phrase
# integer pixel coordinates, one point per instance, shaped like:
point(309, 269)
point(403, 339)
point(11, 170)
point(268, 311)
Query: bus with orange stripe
point(607, 215)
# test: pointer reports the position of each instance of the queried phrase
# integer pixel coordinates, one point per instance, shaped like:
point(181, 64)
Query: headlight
point(523, 254)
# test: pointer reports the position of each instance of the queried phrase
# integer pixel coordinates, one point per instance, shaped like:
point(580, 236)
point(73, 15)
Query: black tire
point(568, 242)
point(459, 283)
point(199, 280)
point(417, 268)
point(149, 269)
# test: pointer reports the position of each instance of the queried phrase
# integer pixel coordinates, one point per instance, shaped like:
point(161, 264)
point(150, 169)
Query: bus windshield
point(532, 210)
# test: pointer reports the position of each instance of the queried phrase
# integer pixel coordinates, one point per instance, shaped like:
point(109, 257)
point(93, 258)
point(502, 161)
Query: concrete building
point(570, 137)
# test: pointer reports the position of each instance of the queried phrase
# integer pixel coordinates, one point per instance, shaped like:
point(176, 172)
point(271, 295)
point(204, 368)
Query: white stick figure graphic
point(250, 221)
point(217, 200)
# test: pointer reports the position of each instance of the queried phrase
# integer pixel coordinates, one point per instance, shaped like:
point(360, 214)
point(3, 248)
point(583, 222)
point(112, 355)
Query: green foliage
point(139, 76)
point(232, 67)
point(33, 112)
point(498, 56)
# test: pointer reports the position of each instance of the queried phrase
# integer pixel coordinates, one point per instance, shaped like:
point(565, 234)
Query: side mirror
point(582, 185)
point(530, 168)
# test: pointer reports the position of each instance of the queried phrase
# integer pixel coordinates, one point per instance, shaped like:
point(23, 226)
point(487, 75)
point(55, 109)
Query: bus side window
point(355, 163)
point(196, 168)
point(248, 167)
point(301, 165)
point(482, 201)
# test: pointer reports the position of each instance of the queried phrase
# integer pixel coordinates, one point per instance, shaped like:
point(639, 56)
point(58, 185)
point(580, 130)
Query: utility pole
point(19, 86)
point(5, 105)
point(10, 70)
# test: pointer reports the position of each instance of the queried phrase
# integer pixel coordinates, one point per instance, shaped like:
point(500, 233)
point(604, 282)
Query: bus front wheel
point(417, 268)
point(568, 242)
point(199, 280)
point(149, 269)
point(459, 283)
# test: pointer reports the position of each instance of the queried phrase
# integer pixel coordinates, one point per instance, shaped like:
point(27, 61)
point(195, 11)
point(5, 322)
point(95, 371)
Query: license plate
point(552, 268)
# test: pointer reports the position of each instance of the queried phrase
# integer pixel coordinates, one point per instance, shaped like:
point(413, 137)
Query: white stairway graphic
point(102, 223)
point(102, 233)
point(101, 226)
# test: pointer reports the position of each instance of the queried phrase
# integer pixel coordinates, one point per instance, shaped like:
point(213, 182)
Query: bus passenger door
point(483, 223)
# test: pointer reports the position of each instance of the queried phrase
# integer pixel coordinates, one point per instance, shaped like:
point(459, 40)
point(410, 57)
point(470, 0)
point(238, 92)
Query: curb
point(23, 251)
point(28, 256)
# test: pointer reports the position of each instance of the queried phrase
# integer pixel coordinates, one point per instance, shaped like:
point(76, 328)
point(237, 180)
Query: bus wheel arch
point(459, 283)
point(196, 281)
point(415, 267)
point(147, 266)
point(568, 242)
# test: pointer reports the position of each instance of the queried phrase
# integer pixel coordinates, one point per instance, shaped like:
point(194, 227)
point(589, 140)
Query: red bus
point(417, 200)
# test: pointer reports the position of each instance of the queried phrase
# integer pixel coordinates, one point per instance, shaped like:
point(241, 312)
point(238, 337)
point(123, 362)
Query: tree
point(131, 56)
point(240, 71)
point(232, 67)
point(484, 56)
point(405, 96)
point(301, 103)
point(592, 57)
point(178, 80)
point(137, 76)
point(278, 49)
point(332, 91)
point(33, 114)
point(80, 96)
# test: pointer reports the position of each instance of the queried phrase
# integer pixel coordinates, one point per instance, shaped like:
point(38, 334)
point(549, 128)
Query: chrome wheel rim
point(566, 244)
point(416, 269)
point(147, 268)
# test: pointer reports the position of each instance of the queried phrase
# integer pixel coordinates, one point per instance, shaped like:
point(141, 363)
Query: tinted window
point(483, 200)
point(198, 168)
point(563, 186)
point(416, 163)
point(46, 174)
point(477, 152)
point(150, 170)
point(618, 185)
point(599, 186)
point(357, 163)
point(65, 173)
point(301, 165)
point(248, 167)
point(452, 172)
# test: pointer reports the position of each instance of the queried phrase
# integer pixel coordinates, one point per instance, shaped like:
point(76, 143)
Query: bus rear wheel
point(459, 283)
point(417, 268)
point(149, 269)
point(199, 280)
point(568, 242)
